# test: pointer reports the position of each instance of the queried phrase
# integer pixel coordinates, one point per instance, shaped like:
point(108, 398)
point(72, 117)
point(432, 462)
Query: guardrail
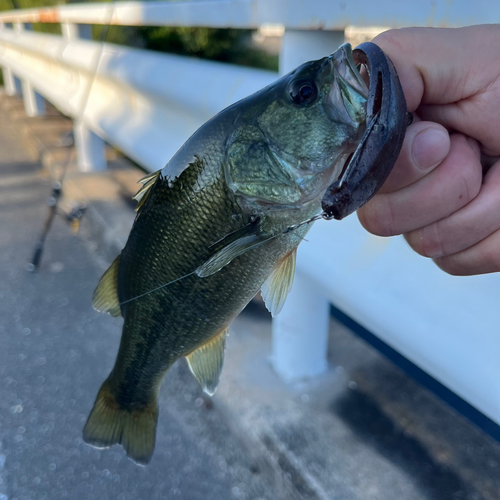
point(147, 104)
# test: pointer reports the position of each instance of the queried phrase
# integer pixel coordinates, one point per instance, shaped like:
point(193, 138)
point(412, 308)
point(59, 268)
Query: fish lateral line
point(160, 287)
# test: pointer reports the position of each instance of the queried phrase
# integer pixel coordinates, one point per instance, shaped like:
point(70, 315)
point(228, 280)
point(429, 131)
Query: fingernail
point(430, 147)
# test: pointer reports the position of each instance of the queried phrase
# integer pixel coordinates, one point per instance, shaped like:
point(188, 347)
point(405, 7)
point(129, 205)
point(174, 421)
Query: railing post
point(300, 331)
point(9, 82)
point(299, 46)
point(72, 31)
point(34, 103)
point(90, 148)
point(8, 78)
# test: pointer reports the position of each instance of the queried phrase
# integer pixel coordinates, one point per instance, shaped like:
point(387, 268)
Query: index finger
point(435, 65)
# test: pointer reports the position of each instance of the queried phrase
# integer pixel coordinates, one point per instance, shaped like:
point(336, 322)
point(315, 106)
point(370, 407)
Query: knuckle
point(491, 256)
point(468, 263)
point(427, 241)
point(414, 240)
point(471, 180)
point(391, 37)
point(433, 240)
point(451, 266)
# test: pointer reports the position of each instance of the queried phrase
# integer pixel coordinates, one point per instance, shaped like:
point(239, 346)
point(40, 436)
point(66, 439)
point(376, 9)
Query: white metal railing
point(148, 104)
point(145, 103)
point(293, 14)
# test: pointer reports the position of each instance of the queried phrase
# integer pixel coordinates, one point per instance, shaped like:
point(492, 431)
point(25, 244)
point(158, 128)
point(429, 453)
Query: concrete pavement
point(363, 431)
point(54, 353)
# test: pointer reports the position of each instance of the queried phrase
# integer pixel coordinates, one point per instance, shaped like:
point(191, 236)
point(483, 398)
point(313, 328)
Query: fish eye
point(303, 92)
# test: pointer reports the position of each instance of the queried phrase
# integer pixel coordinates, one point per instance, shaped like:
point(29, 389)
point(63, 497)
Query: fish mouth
point(386, 120)
point(349, 93)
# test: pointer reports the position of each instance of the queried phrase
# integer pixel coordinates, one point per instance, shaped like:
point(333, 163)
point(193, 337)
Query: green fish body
point(220, 222)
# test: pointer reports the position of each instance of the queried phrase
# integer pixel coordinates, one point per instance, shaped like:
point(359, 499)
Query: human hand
point(436, 194)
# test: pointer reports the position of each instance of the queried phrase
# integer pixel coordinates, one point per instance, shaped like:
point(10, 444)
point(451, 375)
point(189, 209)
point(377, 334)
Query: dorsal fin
point(277, 287)
point(206, 362)
point(105, 298)
point(143, 193)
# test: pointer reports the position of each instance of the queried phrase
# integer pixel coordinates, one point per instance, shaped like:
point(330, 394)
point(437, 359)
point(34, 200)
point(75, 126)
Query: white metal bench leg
point(300, 332)
point(90, 148)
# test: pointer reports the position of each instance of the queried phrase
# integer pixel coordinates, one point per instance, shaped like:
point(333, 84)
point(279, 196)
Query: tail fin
point(109, 424)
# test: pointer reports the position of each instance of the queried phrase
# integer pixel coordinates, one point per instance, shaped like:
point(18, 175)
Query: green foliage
point(34, 4)
point(225, 45)
point(27, 4)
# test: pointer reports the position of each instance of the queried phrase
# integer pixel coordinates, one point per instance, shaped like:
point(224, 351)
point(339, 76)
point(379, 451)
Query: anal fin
point(206, 362)
point(105, 298)
point(277, 287)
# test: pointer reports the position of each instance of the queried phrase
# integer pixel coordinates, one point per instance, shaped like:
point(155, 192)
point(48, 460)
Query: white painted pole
point(8, 78)
point(34, 103)
point(90, 148)
point(9, 82)
point(69, 30)
point(300, 331)
point(298, 47)
point(72, 31)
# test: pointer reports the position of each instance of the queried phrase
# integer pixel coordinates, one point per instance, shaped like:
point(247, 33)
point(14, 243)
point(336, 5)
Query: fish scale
point(211, 228)
point(183, 316)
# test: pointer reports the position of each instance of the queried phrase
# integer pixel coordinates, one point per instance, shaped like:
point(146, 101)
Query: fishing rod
point(76, 214)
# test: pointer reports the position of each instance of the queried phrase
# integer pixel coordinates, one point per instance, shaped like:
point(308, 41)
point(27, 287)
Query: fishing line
point(289, 229)
point(53, 201)
point(57, 188)
point(157, 288)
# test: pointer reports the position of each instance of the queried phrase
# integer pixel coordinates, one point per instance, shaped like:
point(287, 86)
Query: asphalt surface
point(55, 351)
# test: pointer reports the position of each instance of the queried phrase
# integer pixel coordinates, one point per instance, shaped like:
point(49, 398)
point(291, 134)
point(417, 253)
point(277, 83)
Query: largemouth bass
point(220, 222)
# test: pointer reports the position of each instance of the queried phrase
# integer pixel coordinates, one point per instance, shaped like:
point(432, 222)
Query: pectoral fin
point(223, 257)
point(231, 246)
point(277, 287)
point(105, 298)
point(206, 362)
